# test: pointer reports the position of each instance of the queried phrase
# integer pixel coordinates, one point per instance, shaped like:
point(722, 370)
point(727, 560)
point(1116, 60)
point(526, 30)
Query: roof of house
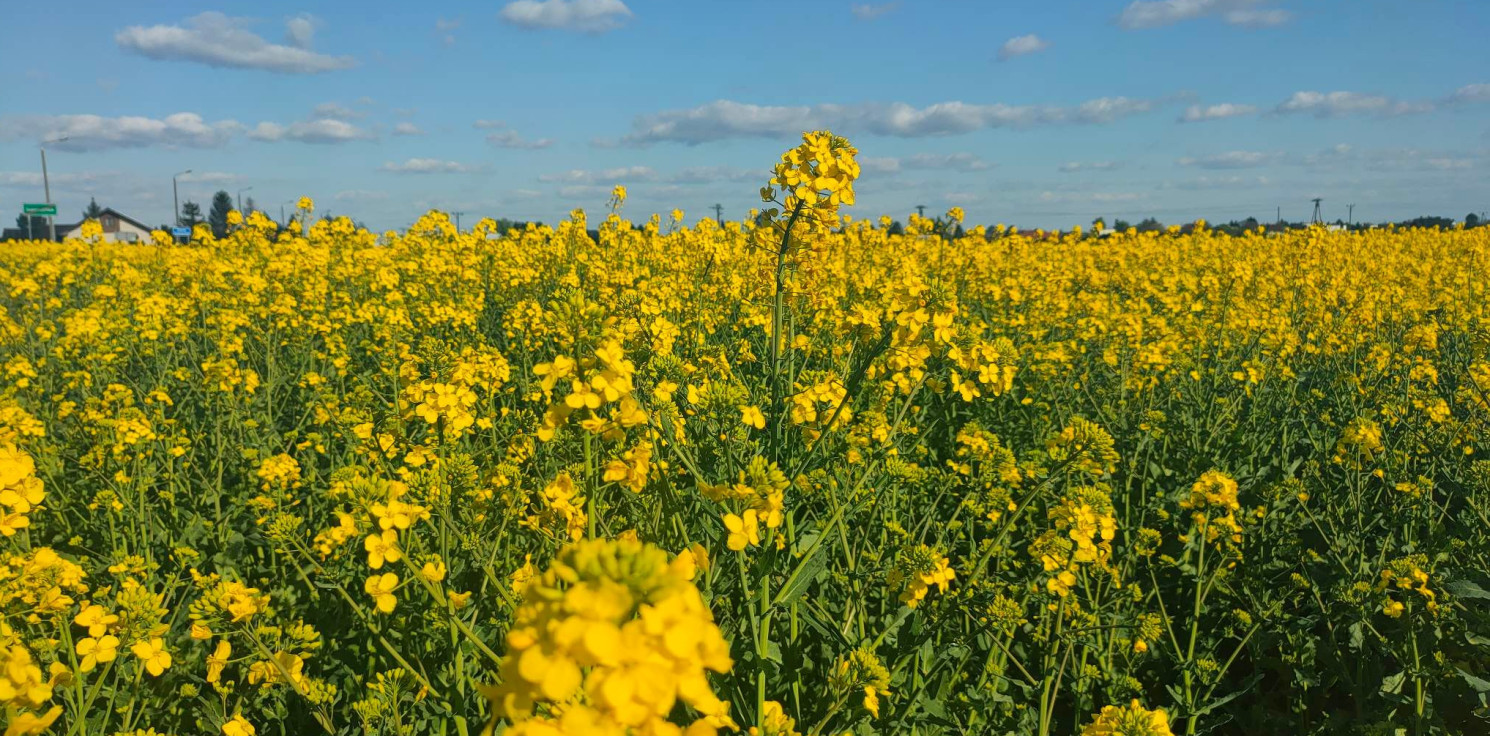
point(127, 218)
point(61, 228)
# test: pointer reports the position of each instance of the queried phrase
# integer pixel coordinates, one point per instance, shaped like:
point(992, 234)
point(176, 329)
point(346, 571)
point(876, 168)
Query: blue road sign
point(181, 232)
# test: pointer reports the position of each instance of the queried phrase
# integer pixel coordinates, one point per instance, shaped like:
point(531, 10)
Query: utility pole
point(719, 214)
point(240, 197)
point(1280, 215)
point(176, 199)
point(1350, 217)
point(1316, 219)
point(921, 210)
point(46, 186)
point(457, 220)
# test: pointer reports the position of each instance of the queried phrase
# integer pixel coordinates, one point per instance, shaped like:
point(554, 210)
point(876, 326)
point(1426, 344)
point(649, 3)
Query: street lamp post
point(240, 197)
point(176, 199)
point(46, 185)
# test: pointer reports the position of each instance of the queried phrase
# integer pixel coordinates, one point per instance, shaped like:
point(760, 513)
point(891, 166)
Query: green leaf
point(1392, 684)
point(1467, 589)
point(934, 707)
point(1480, 685)
point(1357, 635)
point(1223, 700)
point(807, 571)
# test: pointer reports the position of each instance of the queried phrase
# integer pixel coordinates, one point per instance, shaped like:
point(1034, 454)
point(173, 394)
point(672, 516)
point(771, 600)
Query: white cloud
point(1216, 182)
point(334, 111)
point(29, 179)
point(725, 119)
point(215, 39)
point(94, 132)
point(1448, 164)
point(870, 11)
point(1340, 104)
point(209, 177)
point(587, 16)
point(446, 30)
point(1071, 167)
point(428, 166)
point(407, 128)
point(510, 139)
point(961, 162)
point(1092, 197)
point(1202, 113)
point(1157, 13)
point(1471, 93)
point(300, 31)
point(879, 164)
point(1231, 160)
point(1108, 109)
point(588, 177)
point(712, 174)
point(1021, 46)
point(1258, 18)
point(580, 191)
point(488, 124)
point(324, 130)
point(360, 195)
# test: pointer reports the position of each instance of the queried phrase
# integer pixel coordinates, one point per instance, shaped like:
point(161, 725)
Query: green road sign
point(39, 209)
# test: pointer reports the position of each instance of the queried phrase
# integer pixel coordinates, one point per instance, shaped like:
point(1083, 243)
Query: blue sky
point(1042, 113)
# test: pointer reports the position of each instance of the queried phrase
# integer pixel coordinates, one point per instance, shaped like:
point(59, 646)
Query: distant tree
point(191, 214)
point(37, 226)
point(1148, 224)
point(1471, 220)
point(896, 228)
point(1120, 225)
point(93, 212)
point(1428, 221)
point(222, 204)
point(249, 206)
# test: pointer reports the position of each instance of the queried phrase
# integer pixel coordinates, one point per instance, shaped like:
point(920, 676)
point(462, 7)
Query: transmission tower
point(921, 210)
point(1350, 216)
point(457, 220)
point(1316, 219)
point(719, 214)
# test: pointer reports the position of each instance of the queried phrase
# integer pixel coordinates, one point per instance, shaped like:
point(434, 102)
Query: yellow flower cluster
point(1406, 575)
point(595, 383)
point(916, 570)
point(24, 693)
point(816, 177)
point(1083, 528)
point(611, 637)
point(20, 489)
point(1130, 720)
point(1213, 505)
